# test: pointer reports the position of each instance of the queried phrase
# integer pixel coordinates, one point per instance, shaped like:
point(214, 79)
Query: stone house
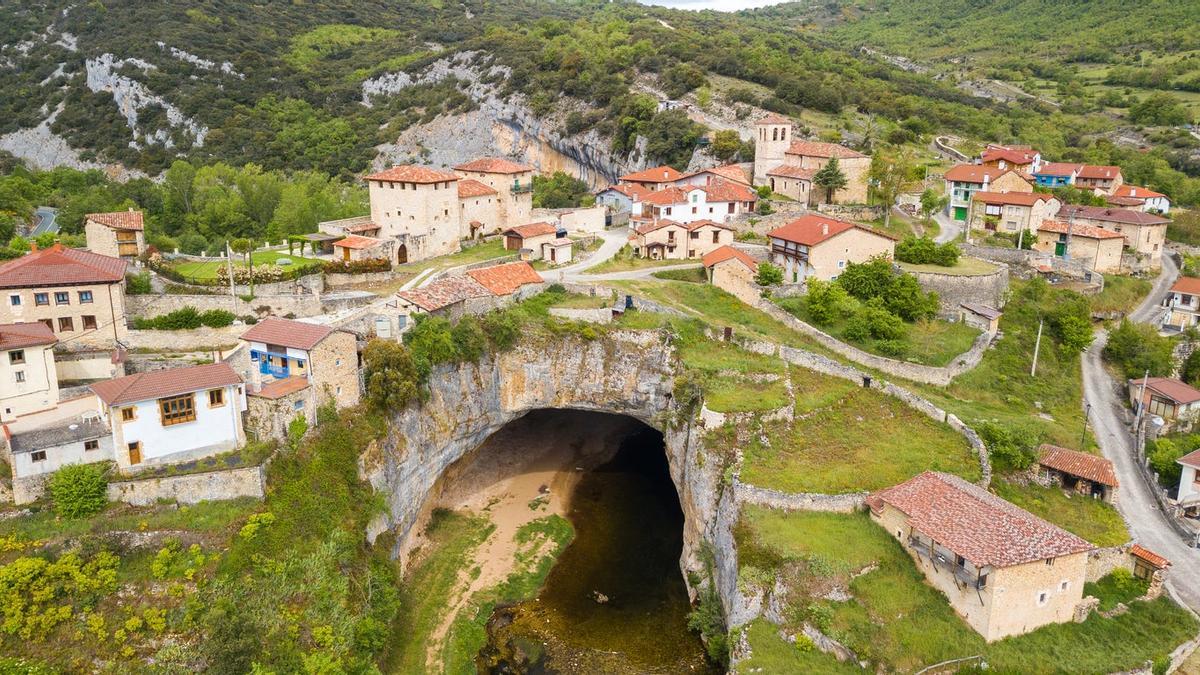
point(357, 247)
point(1080, 472)
point(1004, 570)
point(964, 180)
point(479, 205)
point(1095, 248)
point(733, 271)
point(653, 179)
point(171, 416)
point(813, 155)
point(1020, 158)
point(670, 240)
point(418, 208)
point(790, 180)
point(513, 186)
point(1011, 212)
point(294, 355)
point(773, 135)
point(983, 317)
point(531, 237)
point(118, 235)
point(1170, 399)
point(719, 201)
point(28, 379)
point(474, 292)
point(78, 294)
point(1145, 233)
point(819, 247)
point(1140, 198)
point(1188, 494)
point(1183, 304)
point(37, 453)
point(558, 251)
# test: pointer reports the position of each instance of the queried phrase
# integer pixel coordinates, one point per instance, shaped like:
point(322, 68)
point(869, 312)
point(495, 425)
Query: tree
point(1159, 108)
point(725, 145)
point(1070, 322)
point(768, 274)
point(867, 280)
point(392, 377)
point(79, 490)
point(1136, 348)
point(830, 178)
point(246, 248)
point(931, 203)
point(1191, 368)
point(888, 174)
point(558, 191)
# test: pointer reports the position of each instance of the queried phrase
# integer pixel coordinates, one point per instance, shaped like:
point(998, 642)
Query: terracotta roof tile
point(493, 165)
point(528, 230)
point(280, 388)
point(469, 187)
point(18, 335)
point(647, 228)
point(1191, 459)
point(731, 172)
point(119, 220)
point(973, 173)
point(1136, 192)
point(59, 266)
point(1078, 230)
point(161, 383)
point(727, 252)
point(1018, 198)
point(658, 174)
point(1189, 285)
point(1092, 467)
point(1009, 153)
point(1143, 553)
point(1111, 215)
point(505, 279)
point(975, 523)
point(445, 292)
point(793, 171)
point(1179, 392)
point(632, 190)
point(774, 118)
point(720, 190)
point(360, 228)
point(412, 174)
point(358, 242)
point(813, 229)
point(1099, 172)
point(1058, 169)
point(669, 196)
point(287, 333)
point(817, 149)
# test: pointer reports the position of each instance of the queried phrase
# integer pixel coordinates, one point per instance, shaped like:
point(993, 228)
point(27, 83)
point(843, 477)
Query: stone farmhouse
point(1140, 198)
point(78, 294)
point(28, 378)
point(1095, 248)
point(473, 292)
point(733, 271)
point(1011, 212)
point(1145, 233)
point(964, 180)
point(819, 247)
point(1183, 304)
point(1004, 570)
point(775, 146)
point(1020, 158)
point(1105, 180)
point(1080, 472)
point(531, 238)
point(118, 235)
point(670, 240)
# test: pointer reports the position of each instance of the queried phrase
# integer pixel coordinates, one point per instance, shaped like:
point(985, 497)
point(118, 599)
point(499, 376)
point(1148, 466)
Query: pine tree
point(831, 178)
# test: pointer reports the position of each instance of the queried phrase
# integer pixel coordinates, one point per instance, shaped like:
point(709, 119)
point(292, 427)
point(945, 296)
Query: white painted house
point(1188, 496)
point(175, 415)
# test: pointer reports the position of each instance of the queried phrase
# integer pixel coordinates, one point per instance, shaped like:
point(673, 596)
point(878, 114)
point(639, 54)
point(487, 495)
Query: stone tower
point(772, 136)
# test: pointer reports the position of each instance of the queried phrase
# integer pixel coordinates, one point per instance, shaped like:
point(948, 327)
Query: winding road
point(1148, 525)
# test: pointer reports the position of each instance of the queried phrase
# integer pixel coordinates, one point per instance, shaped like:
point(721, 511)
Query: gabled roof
point(731, 172)
point(1058, 169)
point(59, 266)
point(358, 242)
point(813, 229)
point(974, 173)
point(986, 311)
point(1078, 230)
point(1189, 285)
point(1191, 459)
point(1111, 215)
point(1099, 172)
point(1092, 467)
point(720, 190)
point(1126, 190)
point(976, 524)
point(361, 227)
point(793, 171)
point(774, 118)
point(632, 190)
point(287, 333)
point(119, 220)
point(658, 174)
point(412, 174)
point(505, 279)
point(445, 292)
point(647, 228)
point(1176, 390)
point(1154, 559)
point(727, 252)
point(469, 187)
point(162, 383)
point(1017, 198)
point(532, 230)
point(1013, 154)
point(494, 165)
point(818, 149)
point(19, 335)
point(280, 388)
point(669, 196)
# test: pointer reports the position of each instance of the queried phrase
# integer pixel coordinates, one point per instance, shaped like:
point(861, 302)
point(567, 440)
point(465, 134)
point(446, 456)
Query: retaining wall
point(188, 340)
point(337, 279)
point(279, 305)
point(799, 501)
point(955, 289)
point(601, 315)
point(191, 488)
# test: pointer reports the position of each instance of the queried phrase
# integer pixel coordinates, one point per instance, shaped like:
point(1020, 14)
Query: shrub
point(1136, 348)
point(469, 340)
point(1162, 454)
point(431, 341)
point(906, 299)
point(186, 318)
point(873, 320)
point(138, 284)
point(79, 490)
point(502, 329)
point(768, 274)
point(924, 251)
point(392, 375)
point(217, 318)
point(357, 266)
point(828, 301)
point(1011, 447)
point(193, 243)
point(1071, 323)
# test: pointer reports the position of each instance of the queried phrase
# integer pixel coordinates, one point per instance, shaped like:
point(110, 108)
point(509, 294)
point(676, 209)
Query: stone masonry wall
point(144, 306)
point(191, 488)
point(955, 289)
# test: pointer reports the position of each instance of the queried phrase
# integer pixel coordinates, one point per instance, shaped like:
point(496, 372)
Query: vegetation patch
point(1120, 294)
point(770, 653)
point(1084, 516)
point(625, 260)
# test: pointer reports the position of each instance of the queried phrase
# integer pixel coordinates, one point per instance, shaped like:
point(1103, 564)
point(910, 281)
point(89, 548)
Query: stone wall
point(337, 280)
point(955, 289)
point(601, 315)
point(191, 488)
point(1103, 561)
point(799, 501)
point(187, 340)
point(300, 305)
point(859, 212)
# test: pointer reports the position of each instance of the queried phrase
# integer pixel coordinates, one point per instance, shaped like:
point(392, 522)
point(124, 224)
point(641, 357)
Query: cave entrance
point(614, 599)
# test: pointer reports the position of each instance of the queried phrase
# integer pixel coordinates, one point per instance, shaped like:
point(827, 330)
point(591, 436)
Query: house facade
point(357, 247)
point(479, 207)
point(1183, 304)
point(773, 135)
point(733, 271)
point(719, 201)
point(175, 415)
point(38, 453)
point(1167, 397)
point(964, 180)
point(1140, 198)
point(622, 198)
point(1145, 233)
point(321, 357)
point(119, 235)
point(512, 183)
point(813, 156)
point(1020, 158)
point(1104, 180)
point(531, 236)
point(1003, 570)
point(1011, 212)
point(1095, 248)
point(670, 240)
point(418, 208)
point(819, 247)
point(28, 379)
point(78, 294)
point(791, 180)
point(1188, 494)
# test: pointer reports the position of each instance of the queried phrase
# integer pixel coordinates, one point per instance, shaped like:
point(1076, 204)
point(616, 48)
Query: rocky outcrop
point(132, 96)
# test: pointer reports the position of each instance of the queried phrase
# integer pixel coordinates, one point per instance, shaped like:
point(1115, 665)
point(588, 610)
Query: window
point(716, 237)
point(135, 452)
point(38, 456)
point(14, 300)
point(85, 297)
point(1042, 597)
point(216, 398)
point(48, 323)
point(841, 264)
point(128, 414)
point(695, 235)
point(19, 376)
point(1063, 586)
point(41, 299)
point(89, 322)
point(16, 356)
point(960, 561)
point(1049, 561)
point(177, 409)
point(91, 445)
point(298, 405)
point(65, 323)
point(62, 298)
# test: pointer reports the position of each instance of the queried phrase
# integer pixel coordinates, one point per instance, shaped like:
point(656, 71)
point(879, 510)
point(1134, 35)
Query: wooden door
point(135, 453)
point(345, 254)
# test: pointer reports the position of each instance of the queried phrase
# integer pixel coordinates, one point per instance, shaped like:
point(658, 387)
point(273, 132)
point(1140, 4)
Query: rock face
point(626, 372)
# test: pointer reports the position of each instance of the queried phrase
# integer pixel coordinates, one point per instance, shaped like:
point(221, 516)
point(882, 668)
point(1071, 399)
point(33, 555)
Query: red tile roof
point(469, 187)
point(119, 220)
point(1010, 153)
point(817, 149)
point(973, 173)
point(412, 174)
point(1191, 459)
point(493, 165)
point(793, 171)
point(697, 224)
point(358, 242)
point(1094, 468)
point(975, 523)
point(727, 252)
point(287, 333)
point(647, 228)
point(1154, 559)
point(632, 190)
point(658, 174)
point(528, 230)
point(669, 196)
point(1099, 172)
point(361, 227)
point(280, 388)
point(731, 172)
point(774, 118)
point(505, 279)
point(1111, 215)
point(1179, 392)
point(18, 335)
point(59, 266)
point(1078, 230)
point(1018, 198)
point(1189, 285)
point(720, 190)
point(1058, 169)
point(813, 229)
point(1136, 192)
point(161, 383)
point(445, 292)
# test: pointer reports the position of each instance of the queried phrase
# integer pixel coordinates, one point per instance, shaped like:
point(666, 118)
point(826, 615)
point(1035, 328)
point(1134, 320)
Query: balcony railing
point(943, 559)
point(518, 188)
point(278, 372)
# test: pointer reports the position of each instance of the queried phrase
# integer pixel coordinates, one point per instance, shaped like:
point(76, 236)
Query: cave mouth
point(615, 600)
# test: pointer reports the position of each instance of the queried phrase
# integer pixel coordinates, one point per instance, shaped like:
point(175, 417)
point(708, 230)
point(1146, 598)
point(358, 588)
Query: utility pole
point(1087, 411)
point(1037, 346)
point(1137, 419)
point(229, 269)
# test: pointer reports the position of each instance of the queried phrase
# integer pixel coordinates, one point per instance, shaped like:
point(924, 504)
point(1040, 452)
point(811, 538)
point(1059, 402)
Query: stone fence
point(202, 338)
point(1033, 259)
point(340, 279)
point(936, 375)
point(146, 306)
point(599, 315)
point(798, 501)
point(955, 289)
point(191, 488)
point(860, 212)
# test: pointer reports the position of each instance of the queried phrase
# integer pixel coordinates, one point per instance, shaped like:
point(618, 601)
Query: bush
point(1009, 447)
point(828, 302)
point(1136, 348)
point(217, 318)
point(193, 244)
point(138, 284)
point(357, 266)
point(1162, 454)
point(502, 329)
point(186, 318)
point(469, 339)
point(924, 251)
point(392, 376)
point(1071, 323)
point(768, 274)
point(873, 320)
point(79, 490)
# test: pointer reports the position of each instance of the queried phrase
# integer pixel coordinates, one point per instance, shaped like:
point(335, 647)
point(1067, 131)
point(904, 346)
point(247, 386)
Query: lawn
point(1120, 294)
point(966, 267)
point(625, 260)
point(1089, 518)
point(478, 253)
point(897, 622)
point(734, 394)
point(696, 275)
point(770, 653)
point(207, 270)
point(581, 301)
point(866, 440)
point(1115, 588)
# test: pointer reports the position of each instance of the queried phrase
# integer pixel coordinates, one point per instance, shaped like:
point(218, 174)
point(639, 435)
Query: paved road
point(1148, 525)
point(950, 229)
point(46, 220)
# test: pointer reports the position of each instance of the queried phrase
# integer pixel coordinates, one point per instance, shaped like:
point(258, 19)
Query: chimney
point(824, 229)
point(33, 247)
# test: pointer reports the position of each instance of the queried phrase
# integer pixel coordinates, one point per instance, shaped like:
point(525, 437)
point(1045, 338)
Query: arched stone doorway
point(402, 254)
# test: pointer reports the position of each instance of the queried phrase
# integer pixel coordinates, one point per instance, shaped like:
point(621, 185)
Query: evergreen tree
point(831, 178)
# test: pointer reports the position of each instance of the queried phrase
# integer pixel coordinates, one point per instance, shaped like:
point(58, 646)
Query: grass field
point(966, 267)
point(899, 623)
point(772, 654)
point(1089, 518)
point(474, 254)
point(1120, 294)
point(625, 261)
point(207, 270)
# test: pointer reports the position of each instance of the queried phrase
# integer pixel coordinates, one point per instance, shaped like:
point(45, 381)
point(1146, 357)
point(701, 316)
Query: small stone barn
point(1079, 472)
